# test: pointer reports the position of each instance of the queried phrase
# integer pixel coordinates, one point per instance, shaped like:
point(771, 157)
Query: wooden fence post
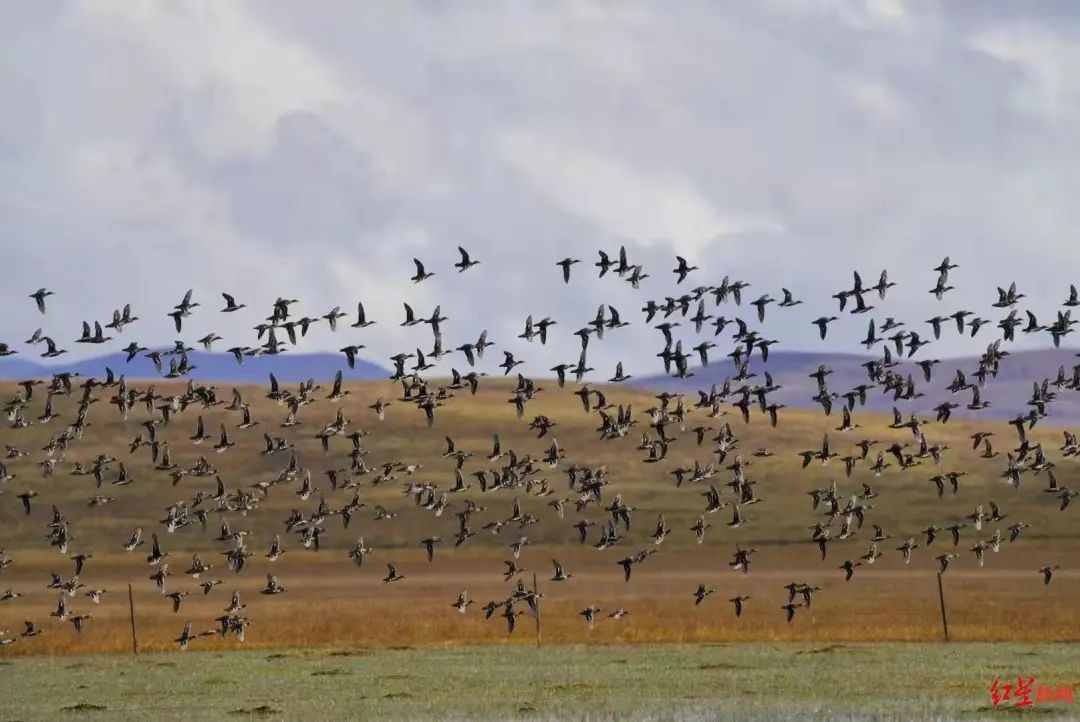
point(131, 607)
point(941, 597)
point(536, 592)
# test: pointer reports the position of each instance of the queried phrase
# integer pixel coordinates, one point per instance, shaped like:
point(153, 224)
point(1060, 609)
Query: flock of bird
point(588, 486)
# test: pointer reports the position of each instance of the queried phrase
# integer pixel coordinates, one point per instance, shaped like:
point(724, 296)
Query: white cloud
point(1049, 87)
point(857, 14)
point(271, 147)
point(255, 77)
point(877, 99)
point(621, 200)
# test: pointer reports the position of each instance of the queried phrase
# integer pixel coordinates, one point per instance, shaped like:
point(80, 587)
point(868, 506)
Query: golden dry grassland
point(331, 602)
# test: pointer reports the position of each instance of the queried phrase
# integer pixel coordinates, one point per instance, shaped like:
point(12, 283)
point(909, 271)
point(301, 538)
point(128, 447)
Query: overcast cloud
point(312, 149)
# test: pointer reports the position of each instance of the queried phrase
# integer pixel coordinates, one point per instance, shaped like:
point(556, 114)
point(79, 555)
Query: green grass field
point(711, 681)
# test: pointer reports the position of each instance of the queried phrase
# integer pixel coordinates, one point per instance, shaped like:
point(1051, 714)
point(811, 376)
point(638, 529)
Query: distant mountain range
point(220, 367)
point(1008, 393)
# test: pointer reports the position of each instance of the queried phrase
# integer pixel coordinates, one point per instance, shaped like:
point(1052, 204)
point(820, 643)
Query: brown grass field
point(330, 602)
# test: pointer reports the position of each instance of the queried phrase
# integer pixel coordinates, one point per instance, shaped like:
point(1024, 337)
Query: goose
point(39, 297)
point(1015, 529)
point(224, 444)
point(741, 559)
point(944, 559)
point(78, 620)
point(994, 543)
point(978, 550)
point(954, 530)
point(975, 324)
point(429, 545)
point(760, 304)
point(197, 567)
point(941, 287)
point(883, 284)
point(590, 613)
point(272, 587)
point(619, 376)
point(208, 340)
point(379, 407)
point(247, 422)
point(945, 266)
point(332, 317)
point(560, 574)
point(25, 498)
point(200, 432)
point(860, 305)
point(358, 552)
point(565, 264)
point(604, 264)
point(637, 275)
point(351, 352)
point(511, 615)
point(185, 637)
point(823, 322)
point(160, 576)
point(736, 517)
point(614, 320)
point(156, 555)
point(392, 575)
point(209, 584)
point(94, 595)
point(361, 317)
point(382, 514)
point(231, 306)
point(977, 517)
point(465, 263)
point(1048, 572)
point(807, 592)
point(61, 611)
point(906, 548)
point(135, 541)
point(871, 555)
point(702, 592)
point(177, 598)
point(1008, 298)
point(276, 549)
point(10, 594)
point(683, 269)
point(699, 529)
point(462, 602)
point(51, 351)
point(509, 363)
point(421, 275)
point(849, 568)
point(788, 300)
point(80, 562)
point(520, 544)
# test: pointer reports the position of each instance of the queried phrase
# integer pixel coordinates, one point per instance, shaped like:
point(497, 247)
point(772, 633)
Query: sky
point(311, 150)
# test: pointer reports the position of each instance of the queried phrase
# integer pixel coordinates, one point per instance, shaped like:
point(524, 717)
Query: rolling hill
point(1008, 393)
point(221, 367)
